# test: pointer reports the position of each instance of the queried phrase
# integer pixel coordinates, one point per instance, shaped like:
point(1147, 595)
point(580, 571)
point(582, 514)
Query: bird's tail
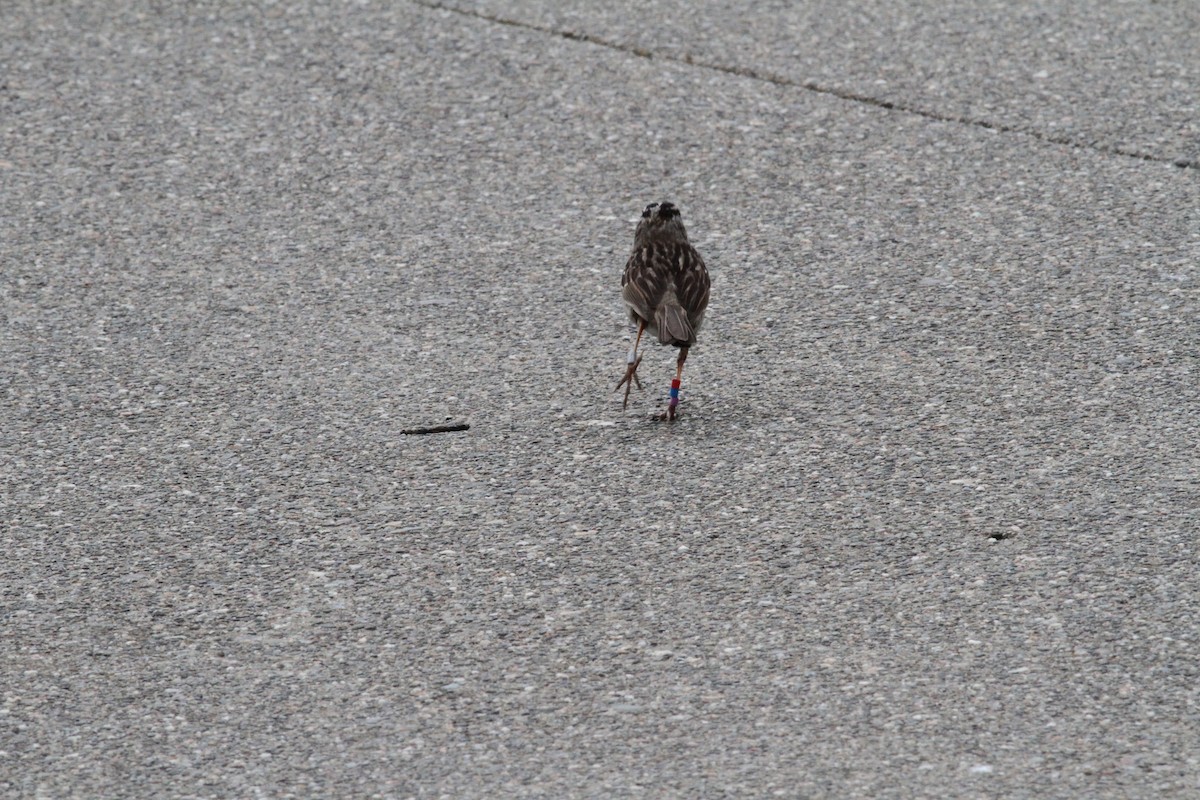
point(673, 325)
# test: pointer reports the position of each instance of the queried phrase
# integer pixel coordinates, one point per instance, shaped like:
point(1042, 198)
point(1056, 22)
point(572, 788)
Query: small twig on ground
point(437, 429)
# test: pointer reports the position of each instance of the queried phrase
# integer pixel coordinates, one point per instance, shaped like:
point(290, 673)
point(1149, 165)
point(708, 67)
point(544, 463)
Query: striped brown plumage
point(665, 286)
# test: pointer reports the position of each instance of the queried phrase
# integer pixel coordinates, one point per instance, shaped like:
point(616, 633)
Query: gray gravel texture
point(927, 528)
point(1122, 77)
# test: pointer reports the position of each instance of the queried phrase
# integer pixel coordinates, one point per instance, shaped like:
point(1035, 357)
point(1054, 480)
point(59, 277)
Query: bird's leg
point(674, 401)
point(631, 371)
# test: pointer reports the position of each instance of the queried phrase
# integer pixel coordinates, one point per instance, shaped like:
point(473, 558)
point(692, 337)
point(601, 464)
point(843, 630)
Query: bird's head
point(660, 222)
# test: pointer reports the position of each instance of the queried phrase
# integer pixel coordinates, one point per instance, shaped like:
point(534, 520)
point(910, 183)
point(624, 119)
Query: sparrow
point(665, 286)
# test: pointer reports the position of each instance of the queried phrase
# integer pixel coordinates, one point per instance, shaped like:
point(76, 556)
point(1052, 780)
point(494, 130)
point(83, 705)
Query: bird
point(665, 286)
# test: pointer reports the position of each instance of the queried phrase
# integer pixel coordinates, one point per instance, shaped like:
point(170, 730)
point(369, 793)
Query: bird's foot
point(670, 415)
point(629, 380)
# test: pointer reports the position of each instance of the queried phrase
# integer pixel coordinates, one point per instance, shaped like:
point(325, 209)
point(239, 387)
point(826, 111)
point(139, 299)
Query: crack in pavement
point(812, 86)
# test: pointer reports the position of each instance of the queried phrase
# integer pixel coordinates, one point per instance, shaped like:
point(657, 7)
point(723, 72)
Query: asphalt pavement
point(927, 525)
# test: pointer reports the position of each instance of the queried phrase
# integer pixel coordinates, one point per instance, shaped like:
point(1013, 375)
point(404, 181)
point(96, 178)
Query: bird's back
point(666, 285)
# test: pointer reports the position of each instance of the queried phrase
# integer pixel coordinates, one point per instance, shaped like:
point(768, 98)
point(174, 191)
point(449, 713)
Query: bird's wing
point(644, 280)
point(691, 282)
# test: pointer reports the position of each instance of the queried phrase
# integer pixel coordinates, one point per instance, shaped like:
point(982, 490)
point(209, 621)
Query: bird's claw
point(629, 380)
